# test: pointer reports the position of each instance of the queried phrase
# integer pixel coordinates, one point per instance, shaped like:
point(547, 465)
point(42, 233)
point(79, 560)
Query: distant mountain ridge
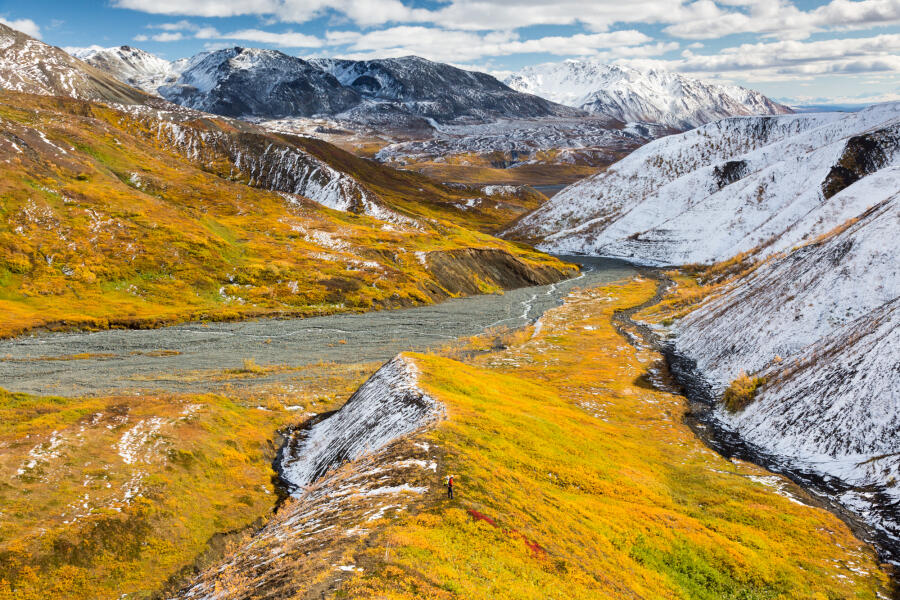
point(632, 95)
point(251, 82)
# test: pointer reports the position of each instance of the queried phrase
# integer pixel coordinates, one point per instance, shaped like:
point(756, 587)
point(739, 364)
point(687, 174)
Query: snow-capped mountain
point(632, 95)
point(133, 66)
point(252, 82)
point(31, 66)
point(438, 91)
point(248, 82)
point(733, 186)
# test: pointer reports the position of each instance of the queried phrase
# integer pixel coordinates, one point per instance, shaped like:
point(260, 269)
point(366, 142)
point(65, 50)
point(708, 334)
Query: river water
point(129, 361)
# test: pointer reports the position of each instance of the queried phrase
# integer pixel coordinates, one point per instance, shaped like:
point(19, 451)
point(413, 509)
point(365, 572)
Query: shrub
point(742, 391)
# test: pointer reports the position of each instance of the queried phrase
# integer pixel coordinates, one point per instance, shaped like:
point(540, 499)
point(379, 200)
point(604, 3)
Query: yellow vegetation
point(596, 489)
point(106, 228)
point(742, 391)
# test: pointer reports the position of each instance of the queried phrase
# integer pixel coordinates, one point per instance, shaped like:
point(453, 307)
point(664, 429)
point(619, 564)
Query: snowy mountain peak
point(630, 95)
point(131, 65)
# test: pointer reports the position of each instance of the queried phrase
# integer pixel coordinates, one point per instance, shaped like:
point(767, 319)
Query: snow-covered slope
point(132, 66)
point(631, 95)
point(31, 66)
point(736, 185)
point(387, 406)
point(822, 325)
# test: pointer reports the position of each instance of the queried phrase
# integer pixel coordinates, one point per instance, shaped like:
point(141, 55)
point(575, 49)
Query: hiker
point(450, 486)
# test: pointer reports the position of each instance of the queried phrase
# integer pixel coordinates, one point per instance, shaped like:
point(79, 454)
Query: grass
point(78, 520)
point(122, 232)
point(594, 488)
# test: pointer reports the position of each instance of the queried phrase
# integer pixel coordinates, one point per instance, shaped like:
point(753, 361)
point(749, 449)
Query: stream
point(127, 361)
point(678, 375)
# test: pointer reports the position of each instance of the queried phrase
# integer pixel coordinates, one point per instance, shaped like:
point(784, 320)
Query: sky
point(796, 51)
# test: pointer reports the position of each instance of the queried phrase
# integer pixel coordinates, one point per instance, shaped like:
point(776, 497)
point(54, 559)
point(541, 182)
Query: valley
point(281, 325)
point(517, 497)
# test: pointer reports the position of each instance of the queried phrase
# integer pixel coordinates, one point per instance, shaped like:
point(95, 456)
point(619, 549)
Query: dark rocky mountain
point(438, 91)
point(252, 82)
point(406, 93)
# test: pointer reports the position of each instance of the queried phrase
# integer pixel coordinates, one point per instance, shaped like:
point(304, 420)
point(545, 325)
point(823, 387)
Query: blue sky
point(803, 51)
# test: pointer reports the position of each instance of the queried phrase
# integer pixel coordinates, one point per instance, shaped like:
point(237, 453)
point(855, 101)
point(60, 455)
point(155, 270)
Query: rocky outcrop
point(387, 406)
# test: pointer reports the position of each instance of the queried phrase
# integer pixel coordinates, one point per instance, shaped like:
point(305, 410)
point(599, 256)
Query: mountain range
point(632, 95)
point(270, 84)
point(248, 82)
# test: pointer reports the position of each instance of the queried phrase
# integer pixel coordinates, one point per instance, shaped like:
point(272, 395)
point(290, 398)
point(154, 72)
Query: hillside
point(569, 477)
point(632, 95)
point(818, 328)
point(31, 66)
point(789, 223)
point(118, 219)
point(725, 188)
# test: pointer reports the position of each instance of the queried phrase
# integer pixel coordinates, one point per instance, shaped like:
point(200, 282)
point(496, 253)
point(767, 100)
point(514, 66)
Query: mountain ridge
point(632, 95)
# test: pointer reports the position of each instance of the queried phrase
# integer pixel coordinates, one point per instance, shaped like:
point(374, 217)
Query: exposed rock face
point(632, 95)
point(31, 66)
point(459, 272)
point(737, 185)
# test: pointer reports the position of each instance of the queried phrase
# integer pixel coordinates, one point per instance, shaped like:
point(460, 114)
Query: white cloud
point(288, 39)
point(179, 26)
point(780, 18)
point(26, 26)
point(788, 60)
point(167, 36)
point(463, 46)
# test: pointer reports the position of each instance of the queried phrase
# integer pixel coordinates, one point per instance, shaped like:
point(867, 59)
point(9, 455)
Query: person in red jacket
point(450, 486)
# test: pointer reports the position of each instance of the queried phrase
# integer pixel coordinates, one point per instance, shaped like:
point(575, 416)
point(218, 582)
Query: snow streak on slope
point(389, 405)
point(31, 66)
point(732, 186)
point(132, 66)
point(805, 295)
point(630, 95)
